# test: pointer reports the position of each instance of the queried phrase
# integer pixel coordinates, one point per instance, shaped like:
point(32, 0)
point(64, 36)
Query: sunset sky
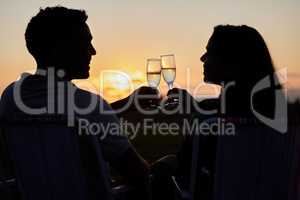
point(127, 32)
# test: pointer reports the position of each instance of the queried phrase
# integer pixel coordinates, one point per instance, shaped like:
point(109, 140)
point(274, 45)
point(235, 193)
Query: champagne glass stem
point(170, 85)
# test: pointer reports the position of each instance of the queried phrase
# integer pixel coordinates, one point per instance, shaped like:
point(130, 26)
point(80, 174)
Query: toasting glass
point(168, 69)
point(153, 72)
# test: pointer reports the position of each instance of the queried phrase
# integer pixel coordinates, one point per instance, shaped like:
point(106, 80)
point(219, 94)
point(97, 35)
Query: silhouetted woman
point(236, 58)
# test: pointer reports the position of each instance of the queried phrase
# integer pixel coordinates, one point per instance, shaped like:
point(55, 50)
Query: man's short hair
point(51, 25)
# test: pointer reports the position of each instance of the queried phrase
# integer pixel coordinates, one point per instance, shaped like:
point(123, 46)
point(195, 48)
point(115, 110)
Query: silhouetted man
point(60, 41)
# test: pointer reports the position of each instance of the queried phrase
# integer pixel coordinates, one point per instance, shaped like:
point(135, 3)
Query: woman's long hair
point(247, 58)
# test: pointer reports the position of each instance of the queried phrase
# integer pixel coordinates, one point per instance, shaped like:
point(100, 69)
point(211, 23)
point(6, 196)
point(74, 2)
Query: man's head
point(59, 37)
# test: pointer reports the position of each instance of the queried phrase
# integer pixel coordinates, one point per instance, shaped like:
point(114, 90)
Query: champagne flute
point(169, 73)
point(168, 69)
point(153, 74)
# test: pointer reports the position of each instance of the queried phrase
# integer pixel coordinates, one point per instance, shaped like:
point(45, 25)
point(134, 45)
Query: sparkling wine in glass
point(153, 75)
point(168, 69)
point(153, 72)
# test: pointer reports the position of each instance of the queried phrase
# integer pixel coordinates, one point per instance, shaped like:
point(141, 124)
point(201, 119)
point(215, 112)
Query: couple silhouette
point(59, 39)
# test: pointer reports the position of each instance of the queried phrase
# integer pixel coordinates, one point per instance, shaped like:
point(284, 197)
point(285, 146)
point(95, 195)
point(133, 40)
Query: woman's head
point(236, 53)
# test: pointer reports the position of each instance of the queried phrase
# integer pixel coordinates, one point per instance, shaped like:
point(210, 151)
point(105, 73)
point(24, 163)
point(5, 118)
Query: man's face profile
point(74, 55)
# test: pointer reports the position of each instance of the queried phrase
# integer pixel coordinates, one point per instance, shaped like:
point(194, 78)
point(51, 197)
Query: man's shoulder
point(6, 101)
point(7, 94)
point(8, 90)
point(85, 95)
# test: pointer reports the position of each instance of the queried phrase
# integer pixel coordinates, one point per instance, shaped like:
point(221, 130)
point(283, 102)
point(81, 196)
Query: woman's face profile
point(212, 67)
point(217, 67)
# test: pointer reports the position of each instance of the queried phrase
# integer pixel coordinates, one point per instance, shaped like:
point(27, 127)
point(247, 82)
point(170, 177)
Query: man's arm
point(144, 96)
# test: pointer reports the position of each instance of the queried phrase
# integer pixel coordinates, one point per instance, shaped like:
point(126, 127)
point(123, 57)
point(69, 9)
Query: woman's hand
point(184, 98)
